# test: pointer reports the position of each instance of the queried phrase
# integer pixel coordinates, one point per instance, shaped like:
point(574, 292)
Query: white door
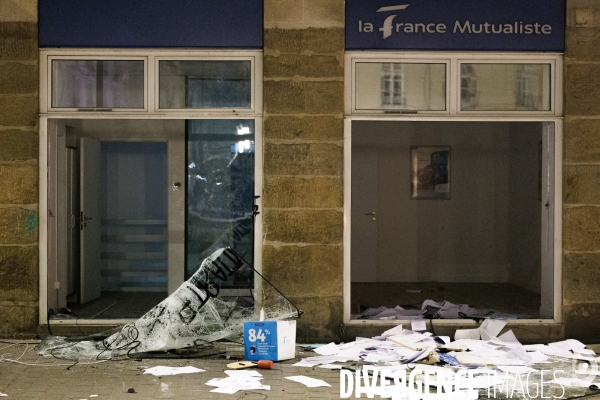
point(364, 215)
point(89, 221)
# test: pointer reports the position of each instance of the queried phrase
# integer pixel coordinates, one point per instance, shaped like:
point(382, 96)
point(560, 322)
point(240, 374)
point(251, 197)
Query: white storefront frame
point(150, 112)
point(453, 114)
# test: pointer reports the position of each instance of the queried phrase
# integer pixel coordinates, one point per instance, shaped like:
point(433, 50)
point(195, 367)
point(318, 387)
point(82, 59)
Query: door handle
point(82, 220)
point(371, 213)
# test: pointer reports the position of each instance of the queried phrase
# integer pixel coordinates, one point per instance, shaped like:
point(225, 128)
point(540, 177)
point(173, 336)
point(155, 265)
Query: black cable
point(132, 341)
point(300, 312)
point(465, 316)
point(431, 325)
point(65, 359)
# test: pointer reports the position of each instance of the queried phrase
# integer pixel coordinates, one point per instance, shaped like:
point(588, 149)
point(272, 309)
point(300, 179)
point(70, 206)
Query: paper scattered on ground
point(330, 366)
point(308, 364)
point(327, 350)
point(238, 380)
point(432, 309)
point(236, 373)
point(164, 371)
point(516, 369)
point(308, 381)
point(472, 334)
point(235, 389)
point(418, 325)
point(391, 332)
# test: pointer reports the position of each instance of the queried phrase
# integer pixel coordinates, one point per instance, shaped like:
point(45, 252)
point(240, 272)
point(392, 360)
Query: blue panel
point(260, 341)
point(511, 25)
point(151, 23)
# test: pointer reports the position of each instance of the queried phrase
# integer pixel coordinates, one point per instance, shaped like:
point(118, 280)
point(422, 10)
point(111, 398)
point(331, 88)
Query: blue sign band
point(493, 25)
point(151, 23)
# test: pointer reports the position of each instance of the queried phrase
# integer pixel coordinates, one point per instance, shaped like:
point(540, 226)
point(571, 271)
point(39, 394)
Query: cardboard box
point(270, 340)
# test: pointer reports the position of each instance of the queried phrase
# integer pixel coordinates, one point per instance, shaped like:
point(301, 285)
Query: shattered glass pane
point(220, 192)
point(197, 312)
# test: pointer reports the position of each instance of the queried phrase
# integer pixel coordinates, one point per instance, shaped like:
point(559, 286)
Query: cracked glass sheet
point(194, 314)
point(220, 192)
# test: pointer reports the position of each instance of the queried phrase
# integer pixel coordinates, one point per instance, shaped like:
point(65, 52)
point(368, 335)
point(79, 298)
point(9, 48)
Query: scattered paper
point(493, 326)
point(537, 357)
point(509, 337)
point(482, 349)
point(418, 325)
point(467, 334)
point(519, 353)
point(445, 339)
point(226, 390)
point(327, 350)
point(245, 373)
point(330, 366)
point(164, 371)
point(586, 351)
point(515, 369)
point(391, 332)
point(569, 344)
point(350, 354)
point(222, 382)
point(308, 381)
point(232, 384)
point(478, 382)
point(304, 363)
point(326, 359)
point(312, 346)
point(234, 389)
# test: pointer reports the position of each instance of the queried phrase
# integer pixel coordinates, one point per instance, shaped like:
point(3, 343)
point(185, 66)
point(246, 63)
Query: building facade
point(308, 117)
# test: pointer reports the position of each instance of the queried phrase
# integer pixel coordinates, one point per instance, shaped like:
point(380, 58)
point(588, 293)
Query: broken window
point(196, 313)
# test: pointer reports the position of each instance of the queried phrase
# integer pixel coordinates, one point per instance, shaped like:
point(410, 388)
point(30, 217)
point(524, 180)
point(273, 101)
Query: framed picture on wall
point(430, 172)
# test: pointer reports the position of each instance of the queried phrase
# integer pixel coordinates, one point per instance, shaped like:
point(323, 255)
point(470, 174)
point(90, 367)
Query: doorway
point(484, 239)
point(116, 216)
point(139, 204)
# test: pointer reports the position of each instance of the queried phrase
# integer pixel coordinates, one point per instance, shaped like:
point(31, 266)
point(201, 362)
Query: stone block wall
point(18, 168)
point(303, 164)
point(581, 223)
point(303, 159)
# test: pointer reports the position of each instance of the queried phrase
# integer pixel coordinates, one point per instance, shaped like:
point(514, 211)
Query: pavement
point(24, 375)
point(37, 377)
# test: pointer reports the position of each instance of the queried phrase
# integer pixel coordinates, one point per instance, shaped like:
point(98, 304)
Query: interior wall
point(468, 238)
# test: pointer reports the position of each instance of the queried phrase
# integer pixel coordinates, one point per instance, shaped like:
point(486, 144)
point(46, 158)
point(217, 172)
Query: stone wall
point(303, 164)
point(581, 230)
point(303, 159)
point(18, 168)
